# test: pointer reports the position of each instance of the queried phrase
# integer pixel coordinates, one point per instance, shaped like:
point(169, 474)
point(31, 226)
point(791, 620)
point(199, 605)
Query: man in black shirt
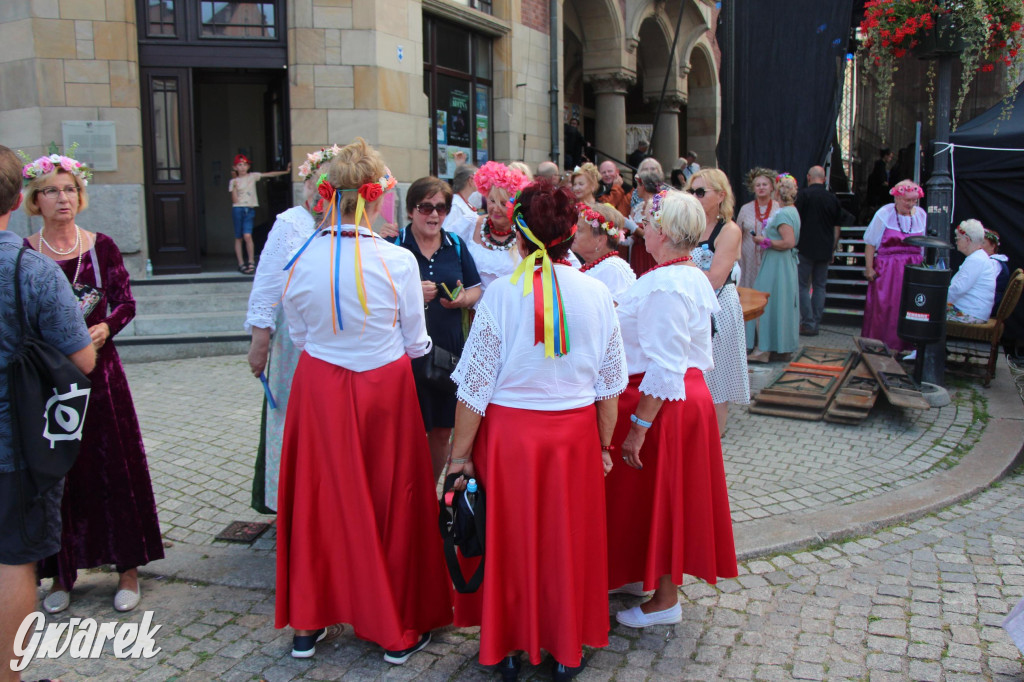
point(820, 215)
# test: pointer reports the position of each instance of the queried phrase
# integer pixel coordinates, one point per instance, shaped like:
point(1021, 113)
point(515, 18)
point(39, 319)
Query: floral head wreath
point(45, 165)
point(992, 236)
point(782, 176)
point(657, 202)
point(330, 206)
point(316, 159)
point(595, 219)
point(550, 326)
point(907, 188)
point(493, 174)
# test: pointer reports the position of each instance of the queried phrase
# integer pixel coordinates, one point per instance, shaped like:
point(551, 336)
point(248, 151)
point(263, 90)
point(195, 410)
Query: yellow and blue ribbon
point(550, 325)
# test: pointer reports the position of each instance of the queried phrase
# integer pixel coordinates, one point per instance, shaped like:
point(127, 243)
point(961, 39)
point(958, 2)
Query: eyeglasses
point(52, 192)
point(427, 209)
point(698, 192)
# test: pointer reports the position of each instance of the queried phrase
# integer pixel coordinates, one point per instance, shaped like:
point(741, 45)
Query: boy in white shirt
point(243, 208)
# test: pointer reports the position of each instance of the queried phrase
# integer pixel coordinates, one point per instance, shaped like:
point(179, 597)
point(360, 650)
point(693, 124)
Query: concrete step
point(186, 324)
point(191, 285)
point(178, 346)
point(171, 303)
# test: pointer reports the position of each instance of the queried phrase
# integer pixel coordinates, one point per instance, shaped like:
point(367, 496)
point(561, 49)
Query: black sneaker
point(808, 331)
point(400, 657)
point(563, 673)
point(304, 646)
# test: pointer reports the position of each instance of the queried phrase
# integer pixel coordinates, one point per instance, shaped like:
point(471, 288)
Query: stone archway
point(702, 119)
point(654, 42)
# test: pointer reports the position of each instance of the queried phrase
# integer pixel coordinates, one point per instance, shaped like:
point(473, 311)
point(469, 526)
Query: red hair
point(550, 213)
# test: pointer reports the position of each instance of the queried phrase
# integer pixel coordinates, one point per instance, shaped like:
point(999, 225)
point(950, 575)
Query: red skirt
point(357, 537)
point(672, 516)
point(542, 587)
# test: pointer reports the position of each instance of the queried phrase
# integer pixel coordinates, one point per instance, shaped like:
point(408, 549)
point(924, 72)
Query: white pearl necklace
point(77, 245)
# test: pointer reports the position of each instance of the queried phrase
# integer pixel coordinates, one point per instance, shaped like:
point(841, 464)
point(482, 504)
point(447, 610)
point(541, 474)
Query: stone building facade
point(188, 84)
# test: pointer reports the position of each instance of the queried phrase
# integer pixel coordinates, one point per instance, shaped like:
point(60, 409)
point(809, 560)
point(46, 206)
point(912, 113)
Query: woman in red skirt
point(668, 511)
point(534, 425)
point(356, 539)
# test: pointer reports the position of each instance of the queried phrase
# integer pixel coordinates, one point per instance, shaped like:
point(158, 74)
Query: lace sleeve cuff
point(664, 384)
point(478, 368)
point(612, 378)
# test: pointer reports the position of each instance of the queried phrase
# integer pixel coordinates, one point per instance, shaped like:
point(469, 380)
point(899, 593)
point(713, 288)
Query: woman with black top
point(716, 255)
point(450, 284)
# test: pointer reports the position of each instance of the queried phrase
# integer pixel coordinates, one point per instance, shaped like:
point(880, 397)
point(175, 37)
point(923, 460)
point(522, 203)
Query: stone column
point(665, 144)
point(610, 90)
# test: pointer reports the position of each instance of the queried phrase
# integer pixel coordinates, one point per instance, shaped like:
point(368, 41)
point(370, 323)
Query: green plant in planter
point(983, 32)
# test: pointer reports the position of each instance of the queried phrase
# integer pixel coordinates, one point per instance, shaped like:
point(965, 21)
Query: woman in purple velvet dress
point(108, 512)
point(885, 254)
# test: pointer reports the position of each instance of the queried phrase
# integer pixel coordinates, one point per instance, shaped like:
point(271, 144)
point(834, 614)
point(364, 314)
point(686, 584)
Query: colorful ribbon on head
point(332, 217)
point(549, 324)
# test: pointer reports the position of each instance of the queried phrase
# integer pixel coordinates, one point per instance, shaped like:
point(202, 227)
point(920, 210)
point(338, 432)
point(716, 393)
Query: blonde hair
point(36, 184)
point(681, 219)
point(785, 190)
point(716, 179)
point(589, 171)
point(610, 214)
point(355, 165)
point(522, 168)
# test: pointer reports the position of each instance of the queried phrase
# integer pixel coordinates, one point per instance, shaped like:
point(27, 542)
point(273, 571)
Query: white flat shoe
point(57, 601)
point(126, 600)
point(634, 589)
point(636, 618)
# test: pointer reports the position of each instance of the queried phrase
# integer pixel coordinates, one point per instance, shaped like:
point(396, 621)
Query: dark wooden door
point(168, 151)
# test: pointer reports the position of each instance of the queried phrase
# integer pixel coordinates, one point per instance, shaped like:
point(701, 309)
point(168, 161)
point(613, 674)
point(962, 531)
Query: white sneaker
point(634, 589)
point(636, 618)
point(57, 601)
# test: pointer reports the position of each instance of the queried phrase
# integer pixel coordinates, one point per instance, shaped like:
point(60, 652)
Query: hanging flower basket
point(983, 32)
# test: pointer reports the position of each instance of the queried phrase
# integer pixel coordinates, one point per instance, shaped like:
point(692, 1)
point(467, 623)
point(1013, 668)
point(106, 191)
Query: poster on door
point(459, 129)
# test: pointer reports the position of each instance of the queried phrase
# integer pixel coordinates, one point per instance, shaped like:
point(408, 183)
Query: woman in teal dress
point(778, 329)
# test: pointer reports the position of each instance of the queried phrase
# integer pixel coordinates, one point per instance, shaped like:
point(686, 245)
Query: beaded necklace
point(488, 242)
point(593, 264)
point(899, 225)
point(762, 217)
point(75, 247)
point(681, 259)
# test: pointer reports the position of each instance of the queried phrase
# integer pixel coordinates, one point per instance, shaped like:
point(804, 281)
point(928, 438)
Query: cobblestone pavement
point(917, 602)
point(902, 604)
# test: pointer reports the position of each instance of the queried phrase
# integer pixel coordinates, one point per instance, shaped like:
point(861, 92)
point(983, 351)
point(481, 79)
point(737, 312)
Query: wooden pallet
point(855, 398)
point(804, 389)
point(898, 386)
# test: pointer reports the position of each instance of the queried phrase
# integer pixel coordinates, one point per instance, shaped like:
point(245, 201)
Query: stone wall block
point(358, 48)
point(334, 98)
point(393, 87)
point(89, 10)
point(80, 71)
point(344, 125)
point(301, 13)
point(52, 117)
point(53, 38)
point(332, 17)
point(333, 76)
point(128, 122)
point(15, 10)
point(309, 46)
point(20, 128)
point(16, 40)
point(111, 40)
point(117, 10)
point(364, 14)
point(129, 168)
point(332, 56)
point(309, 126)
point(83, 29)
point(116, 210)
point(85, 49)
point(87, 94)
point(19, 85)
point(50, 82)
point(124, 84)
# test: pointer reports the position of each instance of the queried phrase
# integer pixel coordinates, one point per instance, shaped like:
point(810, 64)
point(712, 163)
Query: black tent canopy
point(987, 162)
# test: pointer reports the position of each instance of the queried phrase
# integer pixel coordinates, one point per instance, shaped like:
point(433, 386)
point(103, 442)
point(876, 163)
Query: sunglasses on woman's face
point(699, 192)
point(427, 209)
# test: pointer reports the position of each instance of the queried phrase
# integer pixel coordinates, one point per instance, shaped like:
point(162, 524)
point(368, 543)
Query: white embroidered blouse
point(290, 231)
point(665, 320)
point(501, 364)
point(616, 275)
point(358, 345)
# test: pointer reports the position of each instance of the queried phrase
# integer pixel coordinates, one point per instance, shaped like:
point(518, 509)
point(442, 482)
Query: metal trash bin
point(923, 304)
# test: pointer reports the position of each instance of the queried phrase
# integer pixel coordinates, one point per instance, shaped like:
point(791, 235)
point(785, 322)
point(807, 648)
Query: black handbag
point(48, 395)
point(436, 369)
point(462, 525)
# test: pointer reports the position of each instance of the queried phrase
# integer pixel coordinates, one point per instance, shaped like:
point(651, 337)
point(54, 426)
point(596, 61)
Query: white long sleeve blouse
point(358, 345)
point(616, 275)
point(501, 364)
point(973, 288)
point(290, 231)
point(665, 319)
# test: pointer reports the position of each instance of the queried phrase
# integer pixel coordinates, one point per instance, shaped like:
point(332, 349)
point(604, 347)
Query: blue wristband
point(640, 422)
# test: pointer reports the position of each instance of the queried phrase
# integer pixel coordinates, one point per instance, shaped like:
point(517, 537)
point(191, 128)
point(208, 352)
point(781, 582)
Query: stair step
point(177, 346)
point(172, 303)
point(185, 285)
point(186, 323)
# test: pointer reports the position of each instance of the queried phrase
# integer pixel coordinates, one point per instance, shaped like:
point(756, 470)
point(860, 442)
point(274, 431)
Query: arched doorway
point(702, 120)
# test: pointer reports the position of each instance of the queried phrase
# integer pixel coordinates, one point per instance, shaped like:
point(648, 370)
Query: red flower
point(371, 191)
point(325, 189)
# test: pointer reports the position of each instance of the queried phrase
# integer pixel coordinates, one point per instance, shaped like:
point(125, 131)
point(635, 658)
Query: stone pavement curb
point(999, 450)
